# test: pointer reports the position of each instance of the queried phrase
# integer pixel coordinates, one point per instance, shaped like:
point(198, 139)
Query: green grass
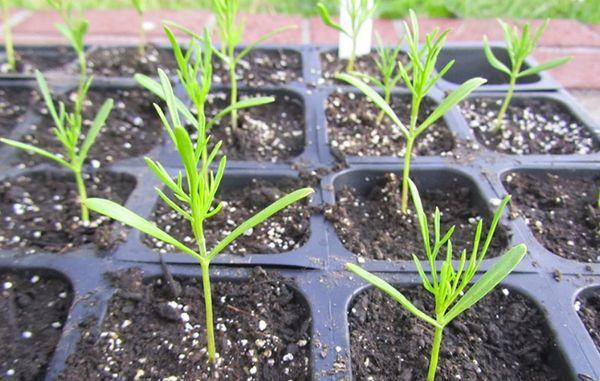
point(584, 10)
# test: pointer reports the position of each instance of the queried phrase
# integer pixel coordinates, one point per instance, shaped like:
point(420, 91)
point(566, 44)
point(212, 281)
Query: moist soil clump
point(271, 133)
point(262, 329)
point(503, 337)
point(353, 129)
point(34, 307)
point(41, 211)
point(131, 130)
point(589, 312)
point(371, 225)
point(332, 65)
point(30, 60)
point(126, 61)
point(531, 126)
point(285, 231)
point(262, 67)
point(14, 102)
point(562, 211)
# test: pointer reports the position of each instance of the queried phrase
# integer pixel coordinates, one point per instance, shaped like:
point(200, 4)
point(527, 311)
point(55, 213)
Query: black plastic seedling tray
point(316, 269)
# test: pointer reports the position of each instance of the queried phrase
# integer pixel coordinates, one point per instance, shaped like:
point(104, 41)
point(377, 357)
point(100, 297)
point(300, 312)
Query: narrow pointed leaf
point(495, 62)
point(324, 13)
point(36, 150)
point(94, 130)
point(545, 66)
point(487, 282)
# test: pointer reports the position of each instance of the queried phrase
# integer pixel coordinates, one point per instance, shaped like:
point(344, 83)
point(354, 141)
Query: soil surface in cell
point(353, 129)
point(589, 312)
point(262, 329)
point(41, 211)
point(126, 61)
point(271, 133)
point(372, 225)
point(531, 126)
point(503, 337)
point(285, 231)
point(33, 309)
point(28, 61)
point(262, 67)
point(562, 211)
point(14, 102)
point(132, 128)
point(332, 65)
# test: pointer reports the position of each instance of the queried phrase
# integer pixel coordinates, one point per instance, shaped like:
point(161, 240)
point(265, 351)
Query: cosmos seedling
point(194, 189)
point(449, 285)
point(68, 129)
point(418, 75)
point(360, 11)
point(140, 8)
point(519, 47)
point(387, 64)
point(74, 29)
point(9, 49)
point(231, 32)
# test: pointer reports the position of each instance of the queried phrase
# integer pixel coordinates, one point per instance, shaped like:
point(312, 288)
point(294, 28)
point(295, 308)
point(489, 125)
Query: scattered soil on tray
point(132, 128)
point(262, 67)
point(562, 211)
point(589, 312)
point(284, 231)
point(14, 102)
point(28, 61)
point(372, 225)
point(34, 306)
point(262, 332)
point(332, 65)
point(271, 133)
point(503, 337)
point(41, 211)
point(126, 61)
point(532, 126)
point(353, 129)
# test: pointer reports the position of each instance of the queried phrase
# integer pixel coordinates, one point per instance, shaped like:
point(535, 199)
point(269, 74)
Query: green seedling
point(8, 41)
point(193, 189)
point(418, 75)
point(359, 12)
point(74, 29)
point(68, 129)
point(387, 65)
point(140, 8)
point(449, 286)
point(231, 32)
point(519, 47)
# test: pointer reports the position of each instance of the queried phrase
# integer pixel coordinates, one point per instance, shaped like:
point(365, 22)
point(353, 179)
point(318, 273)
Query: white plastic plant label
point(363, 40)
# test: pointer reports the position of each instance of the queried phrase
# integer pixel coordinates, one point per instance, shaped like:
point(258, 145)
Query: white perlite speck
point(262, 325)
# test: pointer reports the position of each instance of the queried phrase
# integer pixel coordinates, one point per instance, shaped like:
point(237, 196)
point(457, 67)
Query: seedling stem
point(8, 41)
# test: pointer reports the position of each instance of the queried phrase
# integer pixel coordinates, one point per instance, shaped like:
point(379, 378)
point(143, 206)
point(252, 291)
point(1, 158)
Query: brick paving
point(563, 37)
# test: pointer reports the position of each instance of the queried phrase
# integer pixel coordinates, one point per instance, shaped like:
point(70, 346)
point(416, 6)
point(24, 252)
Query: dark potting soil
point(262, 329)
point(372, 225)
point(561, 211)
point(332, 65)
point(503, 337)
point(353, 129)
point(30, 60)
point(126, 61)
point(14, 102)
point(532, 126)
point(34, 307)
point(41, 211)
point(132, 128)
point(285, 231)
point(273, 132)
point(589, 312)
point(262, 67)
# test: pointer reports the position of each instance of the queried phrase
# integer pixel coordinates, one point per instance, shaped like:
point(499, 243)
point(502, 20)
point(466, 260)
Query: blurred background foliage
point(584, 10)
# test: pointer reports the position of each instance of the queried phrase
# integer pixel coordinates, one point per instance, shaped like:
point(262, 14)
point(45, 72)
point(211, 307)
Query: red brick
point(257, 25)
point(387, 31)
point(41, 23)
point(582, 72)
